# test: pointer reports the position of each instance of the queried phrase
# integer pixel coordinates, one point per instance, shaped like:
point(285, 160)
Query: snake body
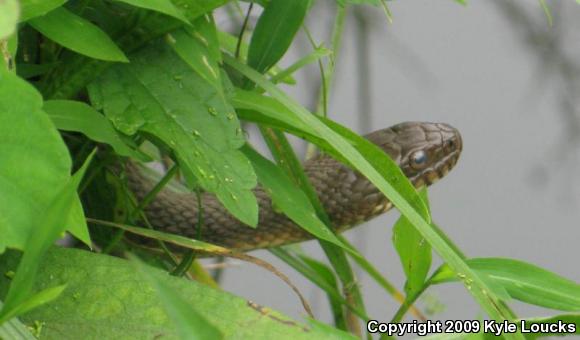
point(425, 152)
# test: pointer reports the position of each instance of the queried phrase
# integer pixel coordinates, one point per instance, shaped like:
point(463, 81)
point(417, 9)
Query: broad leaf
point(189, 323)
point(107, 299)
point(35, 163)
point(161, 95)
point(77, 34)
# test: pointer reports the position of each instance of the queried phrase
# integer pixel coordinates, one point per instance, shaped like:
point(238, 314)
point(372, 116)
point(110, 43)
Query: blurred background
point(508, 81)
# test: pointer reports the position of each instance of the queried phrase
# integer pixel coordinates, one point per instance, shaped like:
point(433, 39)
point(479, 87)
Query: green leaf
point(161, 95)
point(52, 222)
point(161, 6)
point(69, 115)
point(414, 252)
point(523, 281)
point(206, 249)
point(199, 48)
point(289, 198)
point(189, 323)
point(275, 31)
point(9, 11)
point(69, 78)
point(33, 8)
point(386, 182)
point(106, 298)
point(77, 34)
point(35, 162)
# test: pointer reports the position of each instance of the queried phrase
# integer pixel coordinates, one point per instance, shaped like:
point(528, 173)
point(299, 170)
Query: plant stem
point(243, 30)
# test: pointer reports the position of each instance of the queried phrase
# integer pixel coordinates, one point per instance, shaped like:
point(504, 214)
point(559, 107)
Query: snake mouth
point(448, 152)
point(432, 175)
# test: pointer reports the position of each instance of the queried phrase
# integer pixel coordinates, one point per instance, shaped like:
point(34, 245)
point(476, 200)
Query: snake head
point(424, 151)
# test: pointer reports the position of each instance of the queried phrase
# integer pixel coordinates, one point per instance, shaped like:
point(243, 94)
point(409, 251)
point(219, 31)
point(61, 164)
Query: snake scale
point(425, 152)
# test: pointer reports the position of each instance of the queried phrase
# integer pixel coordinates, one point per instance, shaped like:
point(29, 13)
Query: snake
point(424, 151)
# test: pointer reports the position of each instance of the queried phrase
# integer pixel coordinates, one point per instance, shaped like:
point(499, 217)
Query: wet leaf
point(162, 96)
point(198, 46)
point(106, 298)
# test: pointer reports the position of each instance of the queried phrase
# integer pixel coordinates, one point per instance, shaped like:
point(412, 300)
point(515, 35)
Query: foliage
point(159, 80)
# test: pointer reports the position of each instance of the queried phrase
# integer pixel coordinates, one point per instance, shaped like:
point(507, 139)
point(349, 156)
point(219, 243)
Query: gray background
point(514, 192)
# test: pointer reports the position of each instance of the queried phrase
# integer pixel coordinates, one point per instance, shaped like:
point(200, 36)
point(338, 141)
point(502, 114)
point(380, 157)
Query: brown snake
point(425, 152)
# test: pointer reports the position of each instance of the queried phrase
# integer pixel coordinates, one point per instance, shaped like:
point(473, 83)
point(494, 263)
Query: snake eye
point(419, 159)
point(450, 144)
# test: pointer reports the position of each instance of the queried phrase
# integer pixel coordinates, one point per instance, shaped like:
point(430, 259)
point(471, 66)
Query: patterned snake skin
point(425, 152)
